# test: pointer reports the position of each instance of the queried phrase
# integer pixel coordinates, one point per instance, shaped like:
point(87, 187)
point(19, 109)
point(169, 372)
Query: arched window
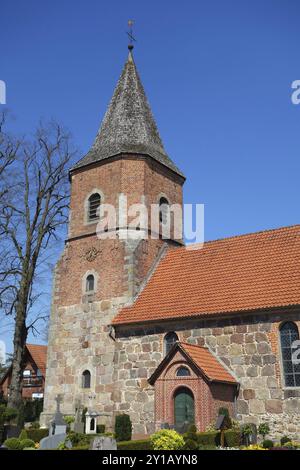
point(90, 283)
point(183, 372)
point(163, 210)
point(92, 425)
point(93, 207)
point(86, 379)
point(169, 341)
point(288, 334)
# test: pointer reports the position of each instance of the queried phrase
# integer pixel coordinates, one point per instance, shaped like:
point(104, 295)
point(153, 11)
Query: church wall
point(247, 345)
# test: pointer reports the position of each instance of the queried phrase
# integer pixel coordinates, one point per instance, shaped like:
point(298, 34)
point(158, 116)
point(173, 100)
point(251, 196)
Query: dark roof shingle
point(128, 126)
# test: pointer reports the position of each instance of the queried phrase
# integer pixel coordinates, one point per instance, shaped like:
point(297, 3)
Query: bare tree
point(33, 206)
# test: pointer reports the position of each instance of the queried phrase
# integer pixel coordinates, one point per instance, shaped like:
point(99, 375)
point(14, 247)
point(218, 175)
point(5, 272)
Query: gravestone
point(57, 430)
point(103, 443)
point(58, 424)
point(78, 425)
point(52, 442)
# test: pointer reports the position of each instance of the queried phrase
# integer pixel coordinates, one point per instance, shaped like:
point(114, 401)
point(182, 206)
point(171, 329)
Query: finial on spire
point(130, 35)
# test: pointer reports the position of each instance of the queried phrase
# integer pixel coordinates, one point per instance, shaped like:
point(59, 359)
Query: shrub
point(69, 420)
point(211, 438)
point(32, 409)
point(23, 435)
point(268, 444)
point(143, 444)
point(263, 429)
point(190, 438)
point(123, 428)
point(247, 430)
point(167, 439)
point(100, 428)
point(8, 414)
point(13, 443)
point(190, 444)
point(192, 428)
point(35, 425)
point(232, 438)
point(78, 439)
point(37, 434)
point(27, 443)
point(81, 447)
point(285, 440)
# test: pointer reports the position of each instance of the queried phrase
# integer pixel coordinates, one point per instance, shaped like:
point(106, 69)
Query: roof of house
point(38, 353)
point(244, 273)
point(203, 359)
point(128, 126)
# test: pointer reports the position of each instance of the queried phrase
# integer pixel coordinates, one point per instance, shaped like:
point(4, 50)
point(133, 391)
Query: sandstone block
point(256, 406)
point(274, 406)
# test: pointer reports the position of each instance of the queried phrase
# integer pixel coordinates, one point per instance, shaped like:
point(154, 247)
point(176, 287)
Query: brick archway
point(209, 394)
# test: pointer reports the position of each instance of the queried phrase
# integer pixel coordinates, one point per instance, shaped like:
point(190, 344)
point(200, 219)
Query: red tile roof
point(238, 274)
point(213, 369)
point(38, 353)
point(203, 359)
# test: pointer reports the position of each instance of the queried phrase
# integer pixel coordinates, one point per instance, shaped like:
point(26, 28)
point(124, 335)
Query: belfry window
point(288, 335)
point(90, 283)
point(183, 372)
point(93, 207)
point(86, 379)
point(169, 341)
point(163, 210)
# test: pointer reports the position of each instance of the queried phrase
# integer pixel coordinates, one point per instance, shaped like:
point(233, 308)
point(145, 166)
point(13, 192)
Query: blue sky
point(218, 76)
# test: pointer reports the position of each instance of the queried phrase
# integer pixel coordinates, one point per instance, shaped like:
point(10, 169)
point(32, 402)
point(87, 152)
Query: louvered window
point(93, 207)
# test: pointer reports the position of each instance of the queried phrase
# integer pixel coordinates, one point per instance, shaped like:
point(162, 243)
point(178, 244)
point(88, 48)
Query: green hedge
point(37, 434)
point(232, 438)
point(143, 444)
point(213, 438)
point(13, 443)
point(27, 443)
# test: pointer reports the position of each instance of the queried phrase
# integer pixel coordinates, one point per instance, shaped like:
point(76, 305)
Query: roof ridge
point(242, 235)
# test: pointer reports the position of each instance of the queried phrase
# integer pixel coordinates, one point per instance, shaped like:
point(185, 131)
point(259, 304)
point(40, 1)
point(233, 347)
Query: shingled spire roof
point(128, 126)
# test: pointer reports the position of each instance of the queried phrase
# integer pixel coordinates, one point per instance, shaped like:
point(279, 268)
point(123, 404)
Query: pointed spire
point(128, 126)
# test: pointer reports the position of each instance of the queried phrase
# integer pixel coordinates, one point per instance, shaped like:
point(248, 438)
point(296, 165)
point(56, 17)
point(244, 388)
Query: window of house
point(163, 210)
point(288, 335)
point(90, 283)
point(27, 373)
point(86, 379)
point(183, 372)
point(93, 207)
point(170, 339)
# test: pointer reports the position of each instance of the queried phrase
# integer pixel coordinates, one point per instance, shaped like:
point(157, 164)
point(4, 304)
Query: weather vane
point(130, 35)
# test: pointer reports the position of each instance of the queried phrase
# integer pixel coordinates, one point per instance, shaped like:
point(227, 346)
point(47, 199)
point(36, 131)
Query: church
point(143, 325)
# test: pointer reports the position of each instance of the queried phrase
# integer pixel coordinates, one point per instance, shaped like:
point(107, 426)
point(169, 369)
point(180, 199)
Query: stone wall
point(247, 345)
point(120, 366)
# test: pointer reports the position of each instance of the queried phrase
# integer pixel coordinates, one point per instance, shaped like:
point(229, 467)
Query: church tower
point(95, 277)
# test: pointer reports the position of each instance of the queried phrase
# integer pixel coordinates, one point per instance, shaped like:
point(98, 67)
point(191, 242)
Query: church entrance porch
point(190, 385)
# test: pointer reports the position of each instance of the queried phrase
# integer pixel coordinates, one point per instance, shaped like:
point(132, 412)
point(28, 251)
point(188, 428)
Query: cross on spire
point(130, 34)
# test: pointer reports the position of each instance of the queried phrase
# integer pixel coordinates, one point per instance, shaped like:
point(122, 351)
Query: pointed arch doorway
point(184, 408)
